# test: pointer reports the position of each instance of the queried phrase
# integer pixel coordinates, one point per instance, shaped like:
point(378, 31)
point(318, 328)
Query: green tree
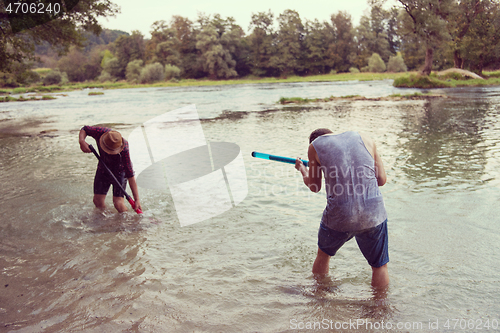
point(261, 44)
point(379, 22)
point(463, 17)
point(218, 42)
point(474, 33)
point(61, 33)
point(163, 47)
point(316, 45)
point(289, 58)
point(392, 30)
point(373, 34)
point(428, 21)
point(127, 49)
point(342, 46)
point(364, 37)
point(412, 47)
point(217, 60)
point(189, 55)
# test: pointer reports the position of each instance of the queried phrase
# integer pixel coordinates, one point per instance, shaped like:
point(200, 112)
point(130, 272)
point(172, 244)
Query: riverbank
point(446, 80)
point(203, 82)
point(407, 80)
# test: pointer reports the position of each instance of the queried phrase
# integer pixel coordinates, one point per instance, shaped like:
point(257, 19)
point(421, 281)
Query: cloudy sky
point(140, 15)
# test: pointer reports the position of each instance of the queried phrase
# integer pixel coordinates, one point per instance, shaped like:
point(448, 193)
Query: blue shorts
point(102, 182)
point(373, 242)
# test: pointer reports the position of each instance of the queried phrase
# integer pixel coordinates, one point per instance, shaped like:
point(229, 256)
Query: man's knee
point(323, 255)
point(119, 204)
point(99, 200)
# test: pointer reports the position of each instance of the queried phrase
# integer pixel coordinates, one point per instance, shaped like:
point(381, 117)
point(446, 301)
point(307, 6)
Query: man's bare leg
point(380, 276)
point(99, 201)
point(322, 263)
point(119, 203)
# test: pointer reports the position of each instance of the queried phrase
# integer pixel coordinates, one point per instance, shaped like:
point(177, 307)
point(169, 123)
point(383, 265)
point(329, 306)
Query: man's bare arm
point(379, 168)
point(84, 146)
point(135, 192)
point(312, 176)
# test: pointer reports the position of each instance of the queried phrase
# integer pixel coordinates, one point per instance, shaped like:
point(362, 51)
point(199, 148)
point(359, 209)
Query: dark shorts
point(102, 182)
point(373, 243)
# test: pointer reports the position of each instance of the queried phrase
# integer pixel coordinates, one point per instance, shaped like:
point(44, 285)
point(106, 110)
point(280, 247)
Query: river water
point(66, 267)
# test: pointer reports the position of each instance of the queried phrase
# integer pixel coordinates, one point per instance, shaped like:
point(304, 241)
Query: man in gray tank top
point(353, 172)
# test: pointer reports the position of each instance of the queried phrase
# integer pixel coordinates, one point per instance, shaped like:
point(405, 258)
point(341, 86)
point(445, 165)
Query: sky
point(140, 15)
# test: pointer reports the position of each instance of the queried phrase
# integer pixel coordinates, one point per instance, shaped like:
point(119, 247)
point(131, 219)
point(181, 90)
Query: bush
point(53, 77)
point(376, 64)
point(7, 81)
point(28, 77)
point(112, 66)
point(419, 81)
point(19, 74)
point(489, 75)
point(453, 76)
point(353, 70)
point(172, 72)
point(396, 64)
point(64, 78)
point(133, 70)
point(152, 73)
point(105, 76)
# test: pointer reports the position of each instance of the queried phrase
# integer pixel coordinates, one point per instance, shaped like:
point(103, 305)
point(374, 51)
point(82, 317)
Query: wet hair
point(318, 132)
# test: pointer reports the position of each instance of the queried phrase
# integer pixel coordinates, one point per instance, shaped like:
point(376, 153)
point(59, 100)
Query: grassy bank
point(24, 99)
point(299, 100)
point(451, 80)
point(412, 80)
point(202, 82)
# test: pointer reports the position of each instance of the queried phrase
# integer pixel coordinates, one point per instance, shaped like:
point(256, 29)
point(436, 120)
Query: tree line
point(415, 35)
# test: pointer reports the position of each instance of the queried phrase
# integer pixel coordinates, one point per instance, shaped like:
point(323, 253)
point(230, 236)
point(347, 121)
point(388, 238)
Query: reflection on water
point(443, 144)
point(68, 267)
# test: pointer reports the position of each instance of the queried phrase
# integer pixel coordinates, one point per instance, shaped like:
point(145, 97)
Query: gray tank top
point(354, 201)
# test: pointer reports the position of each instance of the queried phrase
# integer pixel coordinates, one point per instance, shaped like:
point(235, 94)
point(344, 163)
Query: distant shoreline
point(440, 82)
point(204, 82)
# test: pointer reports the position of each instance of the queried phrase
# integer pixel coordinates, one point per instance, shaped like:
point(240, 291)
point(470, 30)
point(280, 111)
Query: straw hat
point(112, 142)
